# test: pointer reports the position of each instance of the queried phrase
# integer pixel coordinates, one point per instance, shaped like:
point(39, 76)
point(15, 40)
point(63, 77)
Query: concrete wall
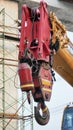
point(11, 12)
point(62, 9)
point(8, 67)
point(58, 3)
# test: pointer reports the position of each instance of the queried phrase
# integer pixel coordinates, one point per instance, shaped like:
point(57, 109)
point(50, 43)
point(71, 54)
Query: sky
point(62, 95)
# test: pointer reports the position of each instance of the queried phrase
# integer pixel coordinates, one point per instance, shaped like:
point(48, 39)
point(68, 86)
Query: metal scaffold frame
point(14, 111)
point(3, 94)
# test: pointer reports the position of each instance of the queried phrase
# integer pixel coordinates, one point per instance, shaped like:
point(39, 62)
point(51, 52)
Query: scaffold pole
point(3, 68)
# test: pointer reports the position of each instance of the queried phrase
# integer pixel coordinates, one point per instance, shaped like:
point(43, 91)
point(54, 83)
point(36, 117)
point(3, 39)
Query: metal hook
point(44, 118)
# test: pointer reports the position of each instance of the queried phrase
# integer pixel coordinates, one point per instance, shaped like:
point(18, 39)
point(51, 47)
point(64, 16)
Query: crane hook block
point(44, 118)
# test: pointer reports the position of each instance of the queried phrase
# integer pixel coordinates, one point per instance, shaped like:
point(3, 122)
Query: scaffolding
point(15, 112)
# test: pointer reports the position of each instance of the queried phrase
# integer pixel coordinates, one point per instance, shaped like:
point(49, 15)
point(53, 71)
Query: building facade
point(8, 65)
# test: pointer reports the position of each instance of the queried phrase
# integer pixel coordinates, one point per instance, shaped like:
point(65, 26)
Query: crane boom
point(63, 60)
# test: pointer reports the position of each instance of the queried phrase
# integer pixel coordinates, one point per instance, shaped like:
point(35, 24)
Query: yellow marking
point(27, 85)
point(45, 109)
point(46, 82)
point(47, 89)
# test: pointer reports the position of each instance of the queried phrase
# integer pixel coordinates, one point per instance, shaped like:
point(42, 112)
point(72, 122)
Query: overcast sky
point(62, 94)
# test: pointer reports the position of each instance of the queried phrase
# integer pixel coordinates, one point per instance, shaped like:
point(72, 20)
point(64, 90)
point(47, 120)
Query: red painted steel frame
point(37, 31)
